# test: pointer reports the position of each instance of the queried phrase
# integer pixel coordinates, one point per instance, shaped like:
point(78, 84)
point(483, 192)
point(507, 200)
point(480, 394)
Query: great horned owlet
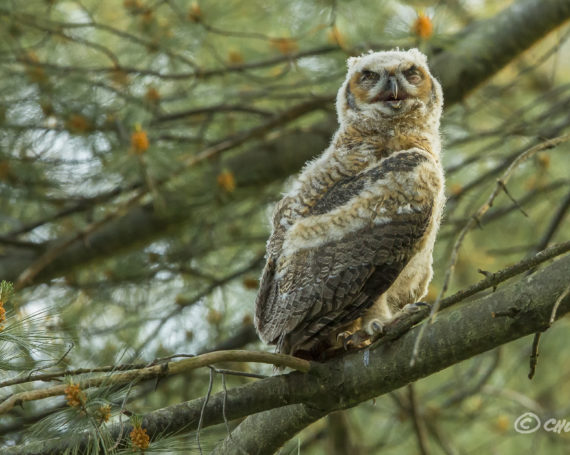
point(352, 242)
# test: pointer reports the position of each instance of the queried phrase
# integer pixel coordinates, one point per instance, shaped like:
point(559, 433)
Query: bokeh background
point(142, 145)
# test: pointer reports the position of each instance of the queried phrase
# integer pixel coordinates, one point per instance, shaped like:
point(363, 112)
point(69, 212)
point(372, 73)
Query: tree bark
point(476, 55)
point(520, 309)
point(280, 406)
point(493, 43)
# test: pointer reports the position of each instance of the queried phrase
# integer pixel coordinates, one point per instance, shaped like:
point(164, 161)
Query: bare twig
point(403, 324)
point(557, 304)
point(189, 75)
point(208, 393)
point(501, 182)
point(183, 303)
point(211, 110)
point(165, 369)
point(59, 374)
point(534, 354)
point(517, 205)
point(532, 196)
point(439, 437)
point(417, 419)
point(224, 404)
point(493, 279)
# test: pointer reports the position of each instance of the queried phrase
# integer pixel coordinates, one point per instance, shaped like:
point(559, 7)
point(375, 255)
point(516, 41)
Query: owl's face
point(386, 85)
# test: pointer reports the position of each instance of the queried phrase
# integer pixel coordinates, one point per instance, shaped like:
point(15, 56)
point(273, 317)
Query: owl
point(352, 241)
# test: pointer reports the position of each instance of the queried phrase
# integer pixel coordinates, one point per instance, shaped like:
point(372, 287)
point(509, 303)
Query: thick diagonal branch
point(476, 55)
point(294, 400)
point(457, 334)
point(491, 44)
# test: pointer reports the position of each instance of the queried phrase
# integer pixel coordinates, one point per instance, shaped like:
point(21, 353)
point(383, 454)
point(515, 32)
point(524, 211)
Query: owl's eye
point(369, 76)
point(413, 75)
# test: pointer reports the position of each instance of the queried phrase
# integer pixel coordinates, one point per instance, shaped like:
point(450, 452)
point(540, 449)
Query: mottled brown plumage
point(352, 241)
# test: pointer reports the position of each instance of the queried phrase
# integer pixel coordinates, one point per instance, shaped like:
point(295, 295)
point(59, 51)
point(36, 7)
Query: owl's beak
point(393, 100)
point(393, 87)
point(391, 94)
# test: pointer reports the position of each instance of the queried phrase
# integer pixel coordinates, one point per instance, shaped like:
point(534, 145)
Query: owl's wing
point(334, 263)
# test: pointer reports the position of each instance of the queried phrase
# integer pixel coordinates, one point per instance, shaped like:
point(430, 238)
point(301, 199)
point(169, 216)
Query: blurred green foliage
point(107, 107)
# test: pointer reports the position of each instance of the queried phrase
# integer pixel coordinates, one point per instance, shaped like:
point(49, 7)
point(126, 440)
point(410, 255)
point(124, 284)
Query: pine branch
point(162, 369)
point(492, 44)
point(458, 333)
point(280, 406)
point(476, 55)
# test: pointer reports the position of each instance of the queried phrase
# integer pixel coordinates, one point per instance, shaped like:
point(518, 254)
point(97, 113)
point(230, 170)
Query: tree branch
point(459, 332)
point(477, 55)
point(162, 369)
point(489, 45)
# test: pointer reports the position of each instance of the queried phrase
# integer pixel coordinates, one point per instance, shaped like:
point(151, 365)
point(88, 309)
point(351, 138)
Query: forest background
point(142, 146)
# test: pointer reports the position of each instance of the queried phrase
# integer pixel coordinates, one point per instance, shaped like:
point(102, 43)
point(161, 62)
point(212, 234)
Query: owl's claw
point(344, 337)
point(375, 328)
point(412, 308)
point(351, 339)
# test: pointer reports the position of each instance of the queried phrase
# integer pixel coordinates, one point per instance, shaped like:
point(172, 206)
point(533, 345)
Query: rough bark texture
point(477, 54)
point(292, 401)
point(287, 422)
point(491, 44)
point(522, 308)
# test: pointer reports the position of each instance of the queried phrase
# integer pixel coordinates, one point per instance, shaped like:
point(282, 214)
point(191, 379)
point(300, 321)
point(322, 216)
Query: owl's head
point(384, 86)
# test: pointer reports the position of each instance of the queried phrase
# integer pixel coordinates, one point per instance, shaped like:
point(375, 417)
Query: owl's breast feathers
point(330, 265)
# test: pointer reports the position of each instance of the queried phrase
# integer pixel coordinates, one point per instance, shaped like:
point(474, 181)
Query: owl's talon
point(352, 339)
point(358, 337)
point(345, 338)
point(375, 328)
point(412, 308)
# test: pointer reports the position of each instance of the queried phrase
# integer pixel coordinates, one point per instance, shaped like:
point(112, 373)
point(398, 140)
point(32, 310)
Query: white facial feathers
point(354, 105)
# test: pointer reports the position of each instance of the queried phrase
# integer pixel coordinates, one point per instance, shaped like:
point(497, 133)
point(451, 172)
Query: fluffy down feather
point(352, 241)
